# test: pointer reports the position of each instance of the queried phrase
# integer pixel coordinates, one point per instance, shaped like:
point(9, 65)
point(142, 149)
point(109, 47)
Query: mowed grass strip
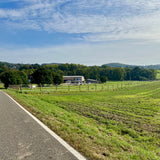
point(120, 124)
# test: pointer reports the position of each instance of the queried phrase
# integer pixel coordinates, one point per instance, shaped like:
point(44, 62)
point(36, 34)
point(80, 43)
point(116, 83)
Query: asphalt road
point(22, 138)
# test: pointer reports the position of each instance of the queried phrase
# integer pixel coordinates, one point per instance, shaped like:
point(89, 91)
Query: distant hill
point(119, 65)
point(44, 64)
point(153, 67)
point(157, 67)
point(19, 65)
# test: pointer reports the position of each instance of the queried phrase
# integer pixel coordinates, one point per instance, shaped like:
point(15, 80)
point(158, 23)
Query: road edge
point(53, 134)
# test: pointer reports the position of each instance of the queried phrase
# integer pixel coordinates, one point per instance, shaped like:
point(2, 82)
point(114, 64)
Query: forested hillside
point(157, 66)
point(101, 73)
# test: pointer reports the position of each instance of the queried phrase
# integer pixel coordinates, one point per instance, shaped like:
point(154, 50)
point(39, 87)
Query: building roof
point(93, 80)
point(72, 76)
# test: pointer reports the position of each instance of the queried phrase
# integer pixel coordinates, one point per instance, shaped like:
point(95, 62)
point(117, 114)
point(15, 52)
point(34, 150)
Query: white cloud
point(99, 20)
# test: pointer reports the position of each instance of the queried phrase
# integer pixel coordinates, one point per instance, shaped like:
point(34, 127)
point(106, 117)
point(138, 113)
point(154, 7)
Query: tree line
point(52, 73)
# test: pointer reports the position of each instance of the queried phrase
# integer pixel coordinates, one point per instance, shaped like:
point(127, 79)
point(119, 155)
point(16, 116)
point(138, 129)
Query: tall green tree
point(118, 74)
point(3, 68)
point(13, 77)
point(57, 78)
point(42, 76)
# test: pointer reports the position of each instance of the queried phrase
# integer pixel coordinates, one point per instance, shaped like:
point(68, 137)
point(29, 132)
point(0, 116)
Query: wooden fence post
point(95, 87)
point(56, 87)
point(40, 87)
point(102, 87)
point(21, 88)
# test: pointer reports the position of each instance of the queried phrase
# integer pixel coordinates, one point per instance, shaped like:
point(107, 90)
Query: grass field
point(110, 85)
point(158, 74)
point(118, 123)
point(1, 85)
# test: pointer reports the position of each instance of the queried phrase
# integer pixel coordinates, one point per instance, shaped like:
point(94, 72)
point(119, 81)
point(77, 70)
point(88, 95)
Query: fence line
point(77, 88)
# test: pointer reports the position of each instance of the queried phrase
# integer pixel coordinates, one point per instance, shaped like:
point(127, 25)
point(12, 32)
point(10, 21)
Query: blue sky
point(90, 32)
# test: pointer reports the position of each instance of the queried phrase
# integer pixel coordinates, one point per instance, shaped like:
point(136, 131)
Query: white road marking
point(59, 139)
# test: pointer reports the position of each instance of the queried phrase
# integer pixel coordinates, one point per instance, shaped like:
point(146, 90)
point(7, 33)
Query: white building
point(74, 79)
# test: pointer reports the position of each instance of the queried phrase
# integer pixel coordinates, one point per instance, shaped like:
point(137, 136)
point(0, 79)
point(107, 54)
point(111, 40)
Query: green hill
point(117, 65)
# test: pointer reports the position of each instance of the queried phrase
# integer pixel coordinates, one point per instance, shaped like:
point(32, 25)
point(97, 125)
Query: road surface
point(23, 138)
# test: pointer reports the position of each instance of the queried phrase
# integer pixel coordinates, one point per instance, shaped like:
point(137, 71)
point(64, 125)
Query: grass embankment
point(114, 124)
